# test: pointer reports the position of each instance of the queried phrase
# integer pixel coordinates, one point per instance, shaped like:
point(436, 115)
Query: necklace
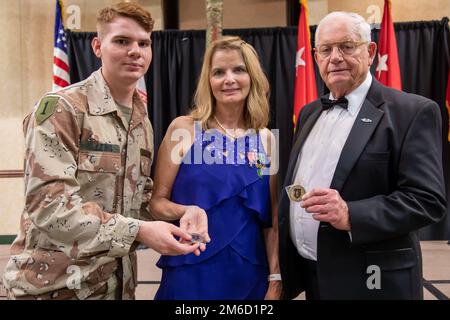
point(225, 130)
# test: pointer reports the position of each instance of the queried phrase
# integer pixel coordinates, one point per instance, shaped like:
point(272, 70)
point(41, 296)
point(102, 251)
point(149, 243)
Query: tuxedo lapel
point(365, 123)
point(301, 138)
point(305, 129)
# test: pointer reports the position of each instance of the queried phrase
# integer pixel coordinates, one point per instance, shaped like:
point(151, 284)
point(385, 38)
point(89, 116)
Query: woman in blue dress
point(222, 159)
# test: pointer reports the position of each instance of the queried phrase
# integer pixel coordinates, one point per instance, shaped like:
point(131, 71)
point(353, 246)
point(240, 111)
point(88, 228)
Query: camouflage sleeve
point(146, 196)
point(148, 185)
point(52, 200)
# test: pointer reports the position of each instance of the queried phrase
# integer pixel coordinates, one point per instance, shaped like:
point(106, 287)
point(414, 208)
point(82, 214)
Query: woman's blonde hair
point(256, 111)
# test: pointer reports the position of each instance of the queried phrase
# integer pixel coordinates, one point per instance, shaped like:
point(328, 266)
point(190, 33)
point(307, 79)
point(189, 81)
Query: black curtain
point(177, 56)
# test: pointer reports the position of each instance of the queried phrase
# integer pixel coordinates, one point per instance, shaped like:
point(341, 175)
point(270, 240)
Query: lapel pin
point(366, 120)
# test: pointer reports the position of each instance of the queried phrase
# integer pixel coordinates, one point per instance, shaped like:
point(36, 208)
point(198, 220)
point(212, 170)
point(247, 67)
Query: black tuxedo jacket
point(390, 174)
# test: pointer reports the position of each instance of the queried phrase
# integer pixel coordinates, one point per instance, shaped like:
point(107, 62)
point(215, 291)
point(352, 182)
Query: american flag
point(61, 76)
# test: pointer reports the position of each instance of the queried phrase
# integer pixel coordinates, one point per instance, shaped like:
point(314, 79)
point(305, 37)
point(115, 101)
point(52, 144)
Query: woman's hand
point(195, 221)
point(160, 236)
point(274, 290)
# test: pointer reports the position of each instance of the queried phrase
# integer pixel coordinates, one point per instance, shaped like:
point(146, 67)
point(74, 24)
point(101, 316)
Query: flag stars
point(62, 38)
point(298, 59)
point(382, 63)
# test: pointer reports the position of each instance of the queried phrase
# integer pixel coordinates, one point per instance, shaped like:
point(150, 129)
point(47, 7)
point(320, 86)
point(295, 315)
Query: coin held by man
point(295, 192)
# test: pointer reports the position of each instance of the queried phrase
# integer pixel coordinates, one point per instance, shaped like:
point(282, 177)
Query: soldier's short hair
point(129, 10)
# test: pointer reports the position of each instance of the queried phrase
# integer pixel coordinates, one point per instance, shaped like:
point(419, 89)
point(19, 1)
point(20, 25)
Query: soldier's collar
point(103, 103)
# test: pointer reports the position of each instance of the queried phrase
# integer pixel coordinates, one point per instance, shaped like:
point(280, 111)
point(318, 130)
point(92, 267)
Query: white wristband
point(274, 277)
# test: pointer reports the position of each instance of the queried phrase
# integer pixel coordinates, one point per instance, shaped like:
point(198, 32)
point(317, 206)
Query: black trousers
point(309, 278)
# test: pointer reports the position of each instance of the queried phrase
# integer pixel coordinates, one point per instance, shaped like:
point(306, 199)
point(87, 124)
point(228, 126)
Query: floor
point(436, 269)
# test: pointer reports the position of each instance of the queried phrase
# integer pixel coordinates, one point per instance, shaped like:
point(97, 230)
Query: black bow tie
point(328, 104)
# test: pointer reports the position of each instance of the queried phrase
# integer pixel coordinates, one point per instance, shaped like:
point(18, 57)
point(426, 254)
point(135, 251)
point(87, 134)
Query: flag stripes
point(61, 77)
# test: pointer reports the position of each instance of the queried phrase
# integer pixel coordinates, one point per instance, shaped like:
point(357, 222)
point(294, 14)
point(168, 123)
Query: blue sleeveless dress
point(222, 177)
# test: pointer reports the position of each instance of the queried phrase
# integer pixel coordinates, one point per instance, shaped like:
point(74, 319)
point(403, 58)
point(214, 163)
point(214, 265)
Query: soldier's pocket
point(146, 162)
point(97, 174)
point(143, 179)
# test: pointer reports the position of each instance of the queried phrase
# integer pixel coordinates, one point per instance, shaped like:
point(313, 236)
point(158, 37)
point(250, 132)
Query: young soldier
point(89, 149)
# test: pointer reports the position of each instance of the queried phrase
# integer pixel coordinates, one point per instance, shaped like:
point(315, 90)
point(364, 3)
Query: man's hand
point(160, 236)
point(195, 220)
point(327, 205)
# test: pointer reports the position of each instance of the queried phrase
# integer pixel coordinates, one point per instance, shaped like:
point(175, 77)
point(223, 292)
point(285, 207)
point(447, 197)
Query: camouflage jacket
point(86, 185)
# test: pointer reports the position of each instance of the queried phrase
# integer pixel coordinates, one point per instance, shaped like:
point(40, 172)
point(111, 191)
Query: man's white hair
point(357, 24)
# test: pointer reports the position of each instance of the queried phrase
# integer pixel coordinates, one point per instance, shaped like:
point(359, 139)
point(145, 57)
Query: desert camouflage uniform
point(86, 185)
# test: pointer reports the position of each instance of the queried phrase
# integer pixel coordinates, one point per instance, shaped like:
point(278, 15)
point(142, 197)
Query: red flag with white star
point(388, 69)
point(305, 79)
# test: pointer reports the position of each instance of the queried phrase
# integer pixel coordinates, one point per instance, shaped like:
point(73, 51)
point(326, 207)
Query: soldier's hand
point(160, 236)
point(195, 221)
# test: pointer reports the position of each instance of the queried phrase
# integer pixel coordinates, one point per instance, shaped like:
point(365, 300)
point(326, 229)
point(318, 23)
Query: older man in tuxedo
point(369, 160)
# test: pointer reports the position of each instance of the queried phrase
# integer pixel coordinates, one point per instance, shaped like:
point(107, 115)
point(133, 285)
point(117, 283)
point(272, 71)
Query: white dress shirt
point(317, 160)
